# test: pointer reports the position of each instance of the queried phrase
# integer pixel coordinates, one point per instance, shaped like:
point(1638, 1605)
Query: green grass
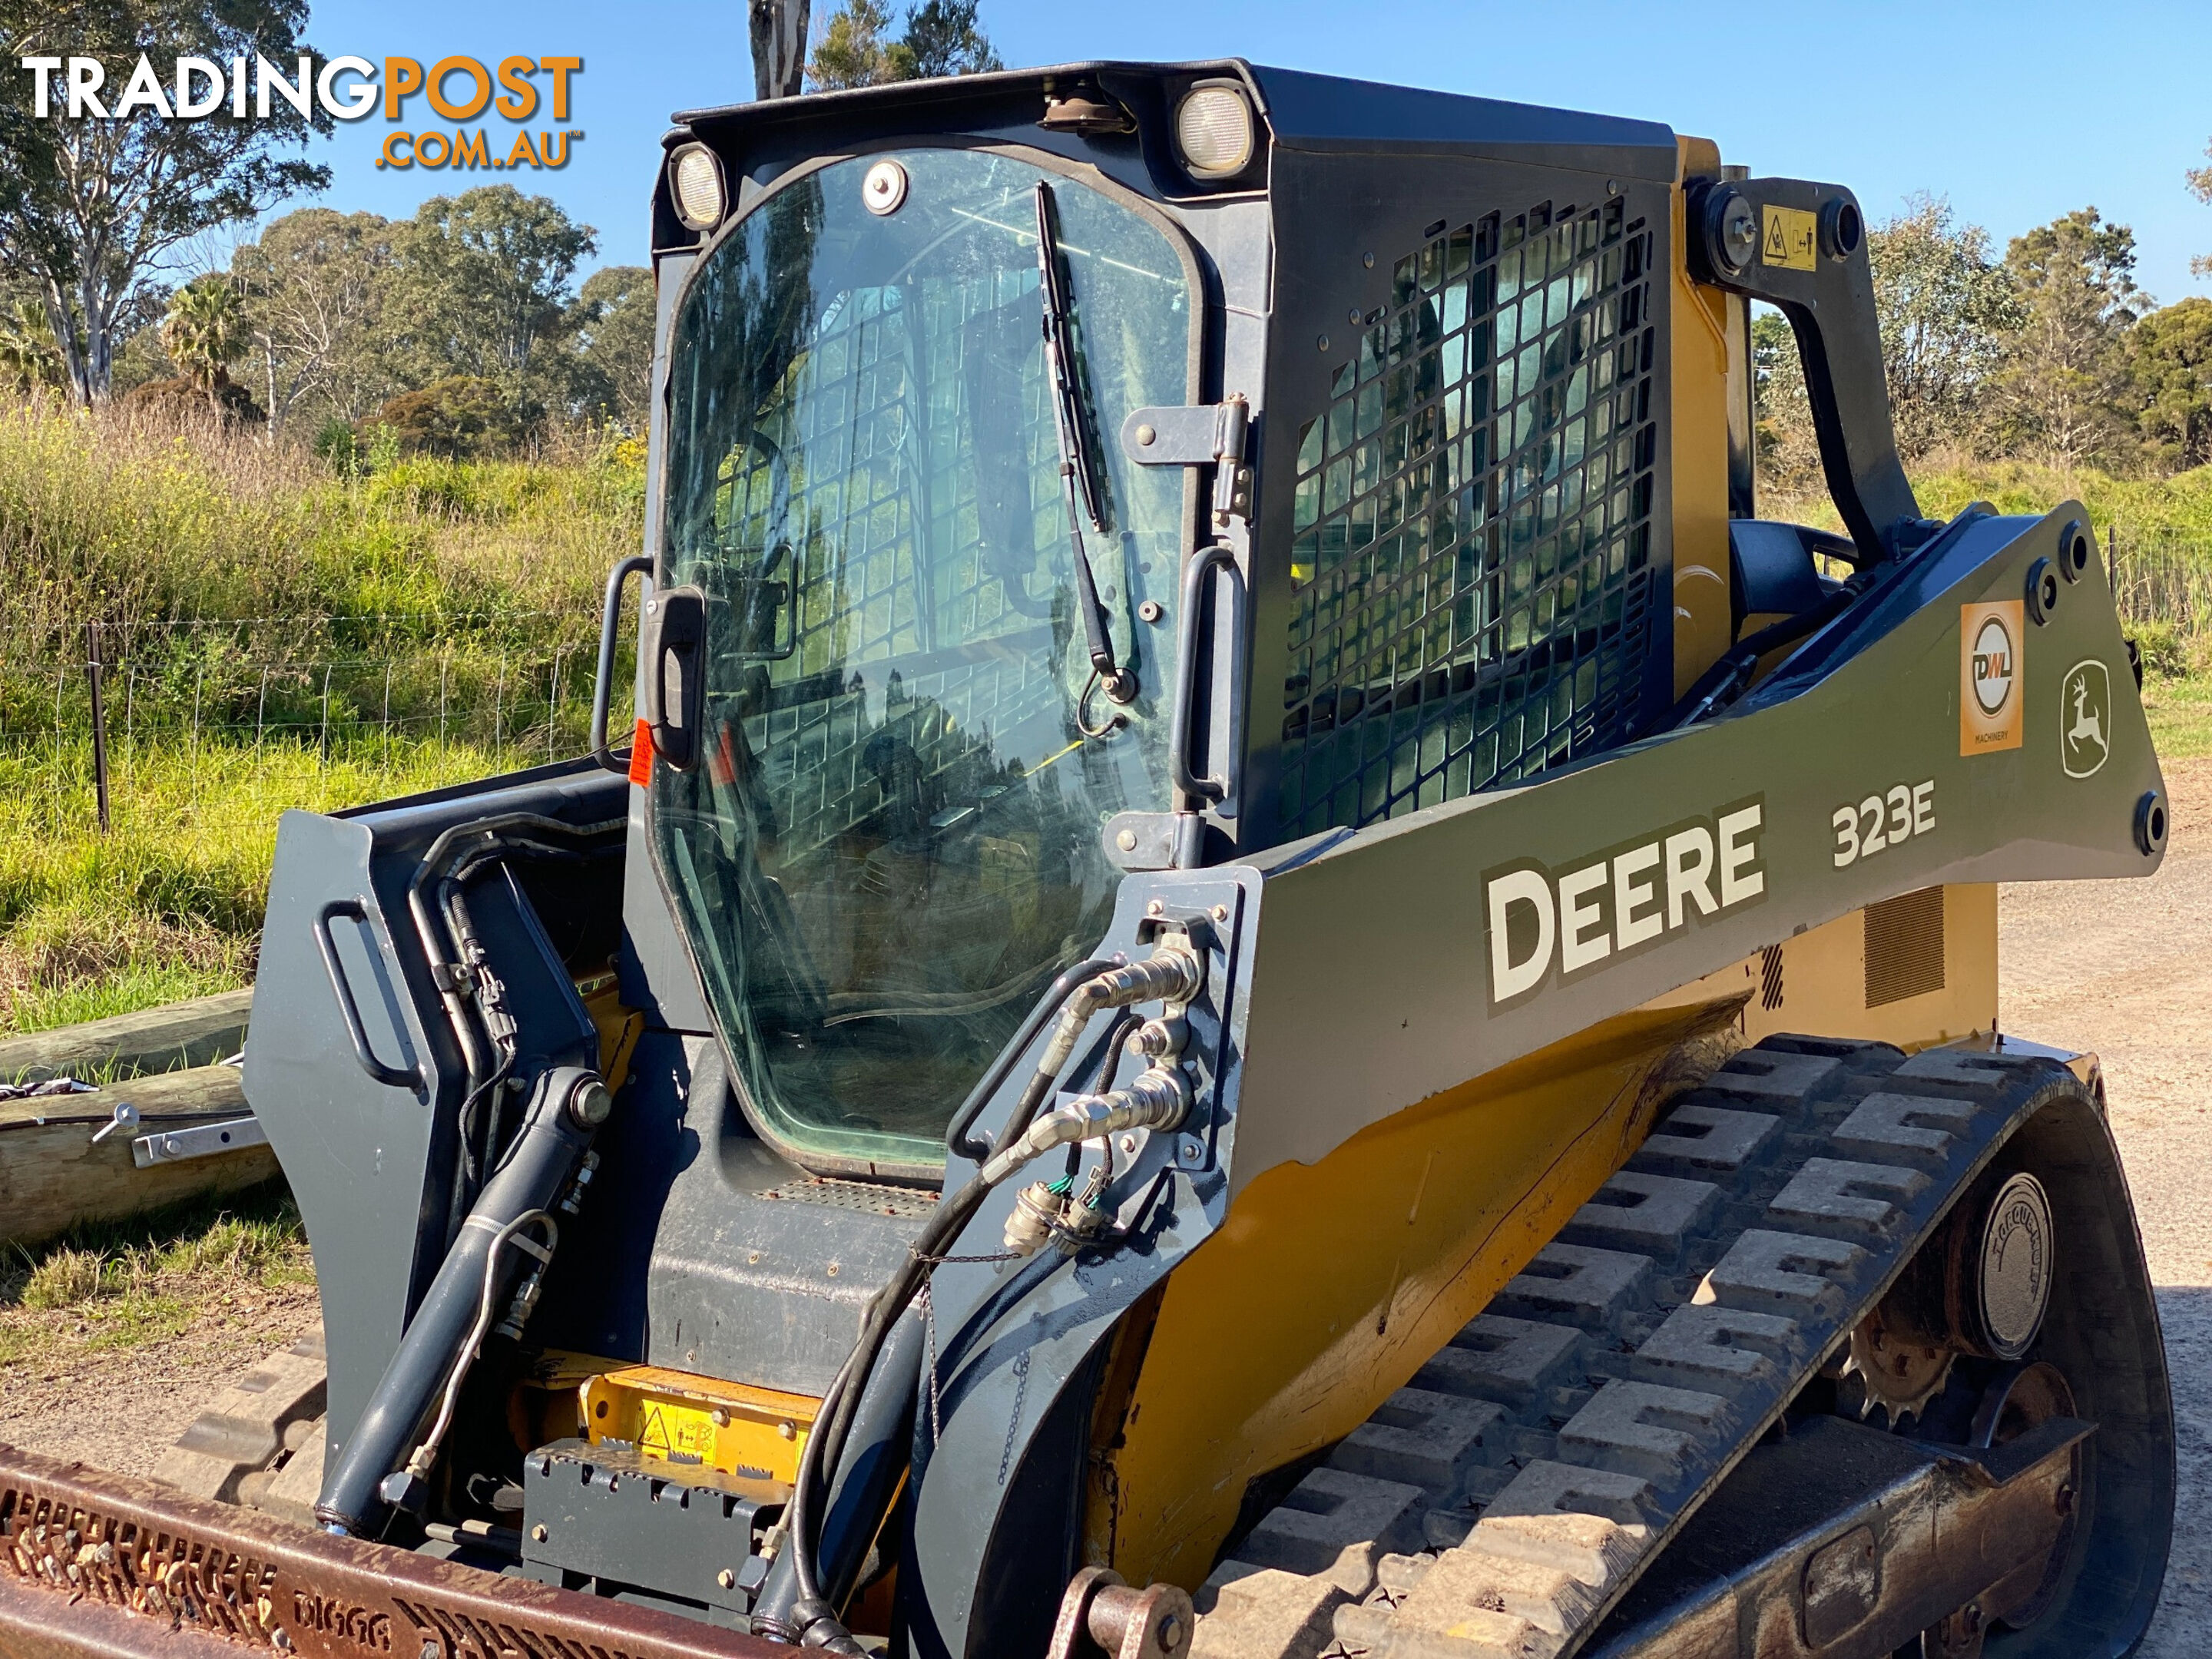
point(168, 904)
point(2181, 712)
point(2145, 508)
point(123, 1285)
point(432, 590)
point(435, 595)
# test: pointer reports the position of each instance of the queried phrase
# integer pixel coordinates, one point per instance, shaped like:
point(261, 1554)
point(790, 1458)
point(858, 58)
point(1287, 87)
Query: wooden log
point(195, 1033)
point(53, 1174)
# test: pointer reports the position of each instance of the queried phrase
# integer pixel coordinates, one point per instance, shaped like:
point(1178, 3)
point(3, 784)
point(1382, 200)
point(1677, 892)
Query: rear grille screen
point(1471, 563)
point(1905, 946)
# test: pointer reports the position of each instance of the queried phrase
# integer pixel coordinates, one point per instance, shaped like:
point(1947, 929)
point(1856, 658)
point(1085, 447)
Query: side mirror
point(673, 643)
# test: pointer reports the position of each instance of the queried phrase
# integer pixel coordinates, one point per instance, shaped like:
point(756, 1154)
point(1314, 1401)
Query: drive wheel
point(2095, 1354)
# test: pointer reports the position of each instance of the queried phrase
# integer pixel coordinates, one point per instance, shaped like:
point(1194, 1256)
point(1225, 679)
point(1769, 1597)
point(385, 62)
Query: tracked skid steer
point(1263, 980)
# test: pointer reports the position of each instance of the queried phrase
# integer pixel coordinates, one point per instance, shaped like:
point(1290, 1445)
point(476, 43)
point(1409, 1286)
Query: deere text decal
point(1614, 903)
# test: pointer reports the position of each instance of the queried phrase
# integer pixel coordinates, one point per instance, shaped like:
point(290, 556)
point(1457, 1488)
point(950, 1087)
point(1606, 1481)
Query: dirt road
point(2121, 967)
point(2125, 967)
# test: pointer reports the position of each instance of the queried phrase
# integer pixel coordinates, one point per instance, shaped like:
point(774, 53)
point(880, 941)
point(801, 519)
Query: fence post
point(261, 709)
point(199, 687)
point(444, 659)
point(387, 716)
point(324, 740)
point(498, 695)
point(553, 705)
point(93, 674)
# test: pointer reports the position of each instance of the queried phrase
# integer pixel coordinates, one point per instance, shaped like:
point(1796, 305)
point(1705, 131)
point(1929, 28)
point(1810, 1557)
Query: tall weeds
point(277, 636)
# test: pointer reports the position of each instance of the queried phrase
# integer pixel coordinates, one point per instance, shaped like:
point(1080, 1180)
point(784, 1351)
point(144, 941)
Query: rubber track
point(1501, 1503)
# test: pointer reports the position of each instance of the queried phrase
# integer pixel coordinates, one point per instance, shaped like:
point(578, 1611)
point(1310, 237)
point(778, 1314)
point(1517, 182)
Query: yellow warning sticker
point(672, 1430)
point(1788, 237)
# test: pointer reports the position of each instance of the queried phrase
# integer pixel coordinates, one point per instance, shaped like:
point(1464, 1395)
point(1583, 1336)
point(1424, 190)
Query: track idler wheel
point(2038, 1287)
point(1980, 1287)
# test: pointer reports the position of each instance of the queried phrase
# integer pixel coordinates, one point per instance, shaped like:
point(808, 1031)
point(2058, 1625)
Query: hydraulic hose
point(565, 1108)
point(448, 946)
point(866, 1481)
point(812, 1619)
point(1173, 974)
point(1726, 679)
point(957, 1138)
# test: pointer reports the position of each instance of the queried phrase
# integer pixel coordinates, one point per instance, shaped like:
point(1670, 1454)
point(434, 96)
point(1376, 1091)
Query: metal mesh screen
point(1471, 562)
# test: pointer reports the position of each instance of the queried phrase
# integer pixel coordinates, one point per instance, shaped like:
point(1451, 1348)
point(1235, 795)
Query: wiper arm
point(1079, 479)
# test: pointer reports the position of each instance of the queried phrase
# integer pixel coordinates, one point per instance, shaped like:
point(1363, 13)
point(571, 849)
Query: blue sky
point(2018, 111)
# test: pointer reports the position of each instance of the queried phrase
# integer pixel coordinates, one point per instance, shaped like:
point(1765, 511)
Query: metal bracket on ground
point(202, 1140)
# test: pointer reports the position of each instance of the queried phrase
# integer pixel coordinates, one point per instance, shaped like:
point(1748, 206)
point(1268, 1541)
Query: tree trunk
point(99, 335)
point(58, 319)
point(779, 32)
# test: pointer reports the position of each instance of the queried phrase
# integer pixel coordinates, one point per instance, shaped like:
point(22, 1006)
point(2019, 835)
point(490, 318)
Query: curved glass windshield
point(890, 844)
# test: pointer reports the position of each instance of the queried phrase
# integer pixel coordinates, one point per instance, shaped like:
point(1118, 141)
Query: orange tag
point(640, 756)
point(1992, 675)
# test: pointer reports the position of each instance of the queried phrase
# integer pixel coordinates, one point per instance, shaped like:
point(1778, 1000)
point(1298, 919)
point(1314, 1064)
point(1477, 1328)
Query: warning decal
point(1788, 237)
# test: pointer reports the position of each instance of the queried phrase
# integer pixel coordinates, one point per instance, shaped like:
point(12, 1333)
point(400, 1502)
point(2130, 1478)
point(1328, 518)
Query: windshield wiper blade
point(1079, 479)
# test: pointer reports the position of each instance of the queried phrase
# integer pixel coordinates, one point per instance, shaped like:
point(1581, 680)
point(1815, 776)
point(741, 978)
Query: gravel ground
point(2121, 967)
point(2118, 967)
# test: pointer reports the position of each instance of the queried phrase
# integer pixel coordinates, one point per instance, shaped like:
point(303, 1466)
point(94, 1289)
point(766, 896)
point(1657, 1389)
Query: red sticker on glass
point(640, 756)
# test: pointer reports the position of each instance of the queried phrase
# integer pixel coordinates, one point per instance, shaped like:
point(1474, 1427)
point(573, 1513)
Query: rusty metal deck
point(98, 1564)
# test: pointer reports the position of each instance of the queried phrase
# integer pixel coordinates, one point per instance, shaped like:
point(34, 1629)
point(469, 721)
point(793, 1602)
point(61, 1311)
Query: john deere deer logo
point(2085, 719)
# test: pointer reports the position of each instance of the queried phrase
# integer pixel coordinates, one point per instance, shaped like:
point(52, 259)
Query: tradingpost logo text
point(518, 90)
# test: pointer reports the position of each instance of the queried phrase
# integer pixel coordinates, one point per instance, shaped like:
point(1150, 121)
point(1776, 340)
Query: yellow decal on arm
point(1788, 237)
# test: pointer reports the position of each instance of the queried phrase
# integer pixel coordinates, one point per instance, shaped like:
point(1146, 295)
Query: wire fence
point(235, 694)
point(234, 689)
point(2162, 578)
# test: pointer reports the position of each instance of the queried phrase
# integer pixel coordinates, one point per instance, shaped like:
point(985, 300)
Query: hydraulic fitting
point(1036, 1212)
point(1174, 973)
point(1157, 1099)
point(1159, 1039)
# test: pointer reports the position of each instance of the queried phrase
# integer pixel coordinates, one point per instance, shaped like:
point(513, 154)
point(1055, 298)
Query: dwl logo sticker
point(1990, 676)
point(2085, 718)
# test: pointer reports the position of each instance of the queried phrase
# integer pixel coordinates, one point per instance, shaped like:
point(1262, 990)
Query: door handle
point(674, 647)
point(357, 911)
point(603, 688)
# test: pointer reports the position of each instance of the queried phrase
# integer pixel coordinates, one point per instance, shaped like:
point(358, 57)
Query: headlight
point(1214, 132)
point(695, 181)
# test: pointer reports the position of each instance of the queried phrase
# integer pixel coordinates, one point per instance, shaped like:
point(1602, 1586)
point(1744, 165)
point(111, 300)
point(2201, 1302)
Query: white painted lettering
point(1628, 893)
point(1605, 906)
point(1507, 977)
point(1924, 807)
point(1739, 881)
point(1689, 873)
point(1578, 946)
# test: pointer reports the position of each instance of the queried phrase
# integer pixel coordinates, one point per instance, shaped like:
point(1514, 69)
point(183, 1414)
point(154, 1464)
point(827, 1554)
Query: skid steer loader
point(1263, 980)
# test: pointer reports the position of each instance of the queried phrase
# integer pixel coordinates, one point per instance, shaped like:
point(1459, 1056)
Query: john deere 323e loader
point(1264, 979)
